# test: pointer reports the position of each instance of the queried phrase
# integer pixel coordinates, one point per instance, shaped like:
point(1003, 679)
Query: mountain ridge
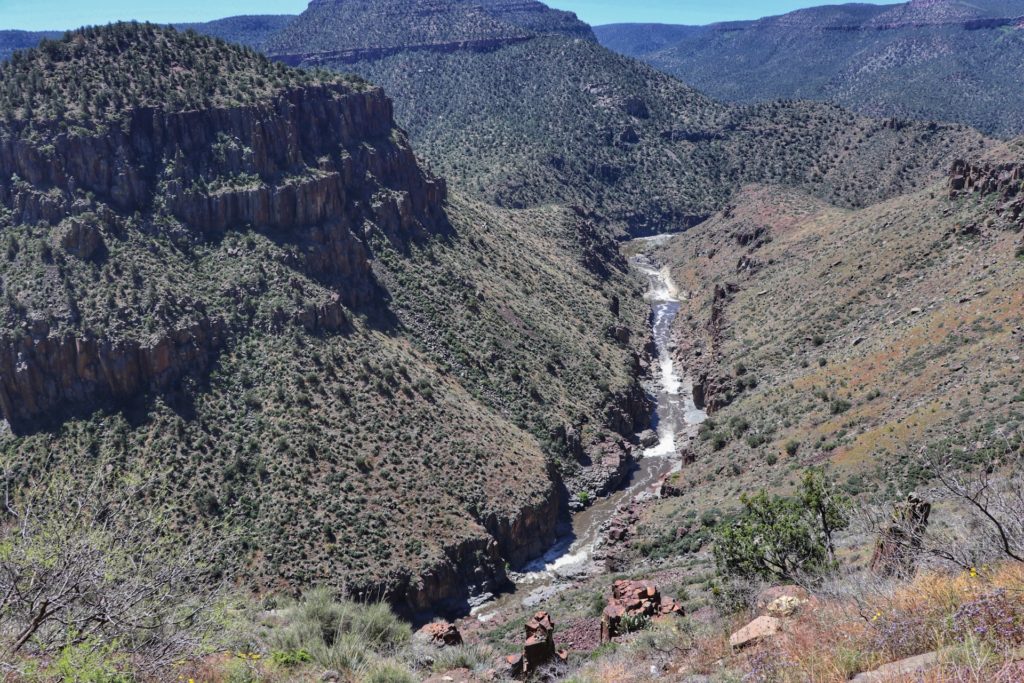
point(242, 282)
point(944, 60)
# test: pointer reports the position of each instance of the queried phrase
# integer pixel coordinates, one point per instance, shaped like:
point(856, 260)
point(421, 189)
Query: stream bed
point(676, 419)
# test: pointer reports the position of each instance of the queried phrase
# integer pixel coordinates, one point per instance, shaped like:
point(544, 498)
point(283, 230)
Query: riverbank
point(675, 420)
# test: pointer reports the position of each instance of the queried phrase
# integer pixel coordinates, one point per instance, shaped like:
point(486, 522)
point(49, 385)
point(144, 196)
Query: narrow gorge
point(578, 554)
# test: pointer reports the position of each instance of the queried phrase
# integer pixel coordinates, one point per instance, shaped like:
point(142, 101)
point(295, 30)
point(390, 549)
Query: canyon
point(283, 273)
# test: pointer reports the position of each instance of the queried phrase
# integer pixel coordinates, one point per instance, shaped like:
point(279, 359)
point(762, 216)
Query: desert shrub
point(840, 406)
point(996, 617)
point(340, 634)
point(719, 441)
point(792, 447)
point(389, 672)
point(86, 572)
point(631, 623)
point(784, 538)
point(290, 658)
point(472, 657)
point(88, 662)
point(756, 440)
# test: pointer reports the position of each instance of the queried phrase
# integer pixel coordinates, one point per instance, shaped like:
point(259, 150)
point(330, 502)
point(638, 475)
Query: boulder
point(755, 632)
point(770, 595)
point(81, 239)
point(913, 666)
point(898, 545)
point(648, 438)
point(673, 486)
point(785, 606)
point(440, 634)
point(632, 600)
point(460, 676)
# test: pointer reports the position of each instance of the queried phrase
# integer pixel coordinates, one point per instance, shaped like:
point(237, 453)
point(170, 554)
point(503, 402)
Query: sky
point(37, 15)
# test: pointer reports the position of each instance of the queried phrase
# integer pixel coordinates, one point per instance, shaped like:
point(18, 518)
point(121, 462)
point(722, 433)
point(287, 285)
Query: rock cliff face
point(314, 167)
point(363, 30)
point(300, 160)
point(1005, 180)
point(531, 532)
point(40, 376)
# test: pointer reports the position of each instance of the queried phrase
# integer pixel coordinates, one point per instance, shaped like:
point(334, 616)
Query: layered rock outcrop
point(42, 375)
point(316, 166)
point(1004, 180)
point(632, 604)
point(312, 155)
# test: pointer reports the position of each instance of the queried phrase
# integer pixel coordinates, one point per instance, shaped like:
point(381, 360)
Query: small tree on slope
point(785, 539)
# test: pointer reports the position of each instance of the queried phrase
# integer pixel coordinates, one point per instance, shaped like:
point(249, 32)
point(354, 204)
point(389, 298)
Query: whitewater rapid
point(676, 418)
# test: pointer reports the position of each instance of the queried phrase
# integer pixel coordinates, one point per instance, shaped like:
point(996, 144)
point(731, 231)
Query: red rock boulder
point(633, 600)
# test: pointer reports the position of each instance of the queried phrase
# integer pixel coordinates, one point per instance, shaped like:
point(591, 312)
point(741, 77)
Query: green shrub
point(290, 658)
point(87, 663)
point(840, 406)
point(631, 623)
point(472, 657)
point(784, 538)
point(739, 426)
point(389, 672)
point(792, 447)
point(756, 440)
point(339, 634)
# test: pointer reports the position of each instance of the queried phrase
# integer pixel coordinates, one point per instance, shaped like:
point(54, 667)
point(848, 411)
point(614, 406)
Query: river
point(676, 419)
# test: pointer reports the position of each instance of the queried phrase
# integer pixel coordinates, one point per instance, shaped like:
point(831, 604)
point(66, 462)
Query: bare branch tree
point(986, 481)
point(90, 562)
point(980, 490)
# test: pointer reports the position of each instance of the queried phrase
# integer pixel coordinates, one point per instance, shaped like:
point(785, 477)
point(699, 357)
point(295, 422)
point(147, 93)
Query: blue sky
point(61, 14)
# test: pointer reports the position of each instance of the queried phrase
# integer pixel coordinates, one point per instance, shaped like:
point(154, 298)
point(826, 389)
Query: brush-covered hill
point(854, 339)
point(235, 277)
point(944, 60)
point(343, 30)
point(10, 41)
point(249, 30)
point(536, 116)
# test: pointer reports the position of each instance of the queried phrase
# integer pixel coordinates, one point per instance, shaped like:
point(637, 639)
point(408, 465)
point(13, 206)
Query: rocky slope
point(929, 59)
point(856, 339)
point(236, 277)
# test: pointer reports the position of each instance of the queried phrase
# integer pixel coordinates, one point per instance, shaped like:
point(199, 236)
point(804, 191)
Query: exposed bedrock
point(38, 376)
point(318, 166)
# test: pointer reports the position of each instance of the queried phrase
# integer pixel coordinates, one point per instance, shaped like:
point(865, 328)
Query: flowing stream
point(676, 420)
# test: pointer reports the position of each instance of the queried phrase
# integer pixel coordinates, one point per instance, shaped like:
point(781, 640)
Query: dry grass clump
point(975, 620)
point(362, 643)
